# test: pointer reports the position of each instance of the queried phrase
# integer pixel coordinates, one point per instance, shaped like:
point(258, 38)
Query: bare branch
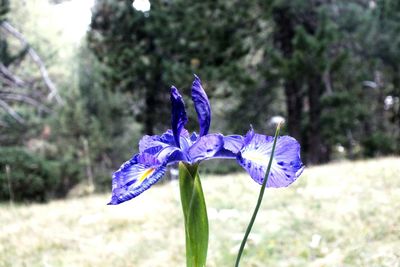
point(23, 98)
point(11, 78)
point(35, 57)
point(12, 112)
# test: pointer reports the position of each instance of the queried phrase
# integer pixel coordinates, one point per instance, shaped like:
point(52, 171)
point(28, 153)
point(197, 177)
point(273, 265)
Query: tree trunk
point(396, 93)
point(283, 38)
point(150, 103)
point(294, 107)
point(317, 151)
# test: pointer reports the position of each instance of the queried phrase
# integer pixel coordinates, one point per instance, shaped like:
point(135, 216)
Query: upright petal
point(202, 106)
point(286, 165)
point(134, 177)
point(179, 117)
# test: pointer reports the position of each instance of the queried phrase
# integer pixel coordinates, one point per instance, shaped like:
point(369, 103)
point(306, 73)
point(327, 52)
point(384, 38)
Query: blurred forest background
point(73, 104)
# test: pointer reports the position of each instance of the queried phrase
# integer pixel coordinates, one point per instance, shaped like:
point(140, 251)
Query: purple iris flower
point(252, 151)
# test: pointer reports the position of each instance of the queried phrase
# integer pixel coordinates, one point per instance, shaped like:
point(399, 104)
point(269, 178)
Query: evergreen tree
point(145, 52)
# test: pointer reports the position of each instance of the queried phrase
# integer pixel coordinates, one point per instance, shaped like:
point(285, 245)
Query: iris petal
point(205, 147)
point(134, 177)
point(153, 144)
point(231, 147)
point(202, 106)
point(171, 154)
point(286, 165)
point(179, 117)
point(233, 143)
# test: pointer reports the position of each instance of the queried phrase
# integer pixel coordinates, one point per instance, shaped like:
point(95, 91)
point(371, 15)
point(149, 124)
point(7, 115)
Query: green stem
point(195, 215)
point(260, 197)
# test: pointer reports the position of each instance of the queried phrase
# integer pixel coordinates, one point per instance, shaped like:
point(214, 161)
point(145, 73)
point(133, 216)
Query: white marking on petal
point(257, 157)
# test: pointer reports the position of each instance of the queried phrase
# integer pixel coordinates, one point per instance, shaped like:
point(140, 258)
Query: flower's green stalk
point(195, 215)
point(260, 197)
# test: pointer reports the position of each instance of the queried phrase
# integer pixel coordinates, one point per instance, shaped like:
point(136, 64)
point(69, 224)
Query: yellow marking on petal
point(146, 174)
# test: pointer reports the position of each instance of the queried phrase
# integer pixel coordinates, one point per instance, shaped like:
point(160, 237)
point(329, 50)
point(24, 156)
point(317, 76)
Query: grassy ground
point(342, 214)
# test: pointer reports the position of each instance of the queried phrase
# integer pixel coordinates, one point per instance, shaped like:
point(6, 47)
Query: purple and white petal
point(134, 177)
point(205, 147)
point(231, 147)
point(287, 157)
point(148, 141)
point(286, 164)
point(168, 138)
point(194, 137)
point(249, 136)
point(202, 106)
point(171, 154)
point(153, 144)
point(233, 143)
point(179, 118)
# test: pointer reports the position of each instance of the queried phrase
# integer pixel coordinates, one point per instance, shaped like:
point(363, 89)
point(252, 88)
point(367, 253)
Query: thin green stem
point(260, 197)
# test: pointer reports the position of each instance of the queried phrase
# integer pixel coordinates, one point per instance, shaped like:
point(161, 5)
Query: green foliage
point(4, 9)
point(25, 176)
point(341, 116)
point(319, 51)
point(167, 45)
point(378, 144)
point(106, 116)
point(304, 60)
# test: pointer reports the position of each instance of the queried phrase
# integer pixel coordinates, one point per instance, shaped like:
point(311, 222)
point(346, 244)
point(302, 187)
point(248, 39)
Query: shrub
point(28, 177)
point(377, 144)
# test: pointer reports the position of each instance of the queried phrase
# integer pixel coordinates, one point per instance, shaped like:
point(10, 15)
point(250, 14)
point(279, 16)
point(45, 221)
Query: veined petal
point(179, 117)
point(205, 147)
point(171, 154)
point(287, 156)
point(233, 143)
point(286, 165)
point(134, 177)
point(153, 144)
point(202, 106)
point(193, 137)
point(231, 147)
point(249, 136)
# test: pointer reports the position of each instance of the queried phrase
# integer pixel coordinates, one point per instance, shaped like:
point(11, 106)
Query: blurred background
point(82, 80)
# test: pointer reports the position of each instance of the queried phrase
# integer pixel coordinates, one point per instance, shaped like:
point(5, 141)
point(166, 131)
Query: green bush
point(25, 176)
point(377, 144)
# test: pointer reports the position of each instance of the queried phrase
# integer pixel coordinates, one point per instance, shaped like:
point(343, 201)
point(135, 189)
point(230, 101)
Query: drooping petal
point(134, 177)
point(286, 164)
point(202, 106)
point(179, 117)
point(287, 156)
point(205, 147)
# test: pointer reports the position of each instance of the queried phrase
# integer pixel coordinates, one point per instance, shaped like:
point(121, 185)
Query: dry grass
point(342, 214)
